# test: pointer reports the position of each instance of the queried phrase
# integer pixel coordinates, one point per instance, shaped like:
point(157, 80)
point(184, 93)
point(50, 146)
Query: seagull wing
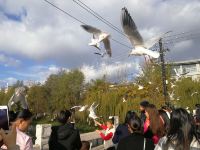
point(96, 53)
point(106, 43)
point(153, 54)
point(92, 30)
point(130, 28)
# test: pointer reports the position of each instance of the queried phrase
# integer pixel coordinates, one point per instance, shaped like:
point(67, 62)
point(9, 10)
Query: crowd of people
point(152, 129)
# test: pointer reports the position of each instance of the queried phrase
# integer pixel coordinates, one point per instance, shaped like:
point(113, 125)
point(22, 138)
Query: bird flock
point(140, 48)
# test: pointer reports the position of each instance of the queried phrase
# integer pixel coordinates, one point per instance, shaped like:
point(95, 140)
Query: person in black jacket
point(122, 129)
point(136, 140)
point(64, 137)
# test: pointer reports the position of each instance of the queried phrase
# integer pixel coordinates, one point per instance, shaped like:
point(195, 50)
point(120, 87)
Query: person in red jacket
point(108, 135)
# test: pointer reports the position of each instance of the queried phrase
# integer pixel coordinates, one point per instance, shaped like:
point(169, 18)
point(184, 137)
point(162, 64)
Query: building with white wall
point(190, 68)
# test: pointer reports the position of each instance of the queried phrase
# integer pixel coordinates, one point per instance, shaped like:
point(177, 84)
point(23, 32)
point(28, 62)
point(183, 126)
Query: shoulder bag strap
point(144, 144)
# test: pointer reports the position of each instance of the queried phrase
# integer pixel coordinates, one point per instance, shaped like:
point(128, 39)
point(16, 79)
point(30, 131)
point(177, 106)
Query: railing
point(43, 132)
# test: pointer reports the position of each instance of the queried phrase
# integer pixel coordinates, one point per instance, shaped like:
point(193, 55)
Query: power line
point(81, 21)
point(64, 12)
point(98, 16)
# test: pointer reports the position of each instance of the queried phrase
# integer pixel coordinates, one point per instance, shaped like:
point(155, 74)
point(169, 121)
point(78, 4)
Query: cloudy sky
point(37, 39)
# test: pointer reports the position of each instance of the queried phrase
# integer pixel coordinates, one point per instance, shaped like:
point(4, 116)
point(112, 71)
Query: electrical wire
point(98, 16)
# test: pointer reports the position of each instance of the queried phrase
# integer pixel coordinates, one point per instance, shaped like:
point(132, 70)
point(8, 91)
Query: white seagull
point(134, 36)
point(99, 36)
point(194, 93)
point(179, 75)
point(83, 108)
point(79, 108)
point(92, 113)
point(140, 87)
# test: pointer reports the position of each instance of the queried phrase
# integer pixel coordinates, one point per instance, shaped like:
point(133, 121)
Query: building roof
point(187, 62)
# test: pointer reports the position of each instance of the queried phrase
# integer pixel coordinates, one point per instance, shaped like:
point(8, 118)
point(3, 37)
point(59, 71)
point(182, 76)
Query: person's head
point(129, 115)
point(85, 145)
point(23, 120)
point(182, 130)
point(135, 125)
point(64, 116)
point(156, 123)
point(110, 123)
point(143, 105)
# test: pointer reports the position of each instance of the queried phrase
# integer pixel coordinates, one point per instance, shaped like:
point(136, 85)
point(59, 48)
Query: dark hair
point(129, 115)
point(85, 145)
point(135, 124)
point(24, 114)
point(181, 131)
point(12, 116)
point(165, 119)
point(144, 103)
point(197, 115)
point(197, 105)
point(156, 124)
point(64, 116)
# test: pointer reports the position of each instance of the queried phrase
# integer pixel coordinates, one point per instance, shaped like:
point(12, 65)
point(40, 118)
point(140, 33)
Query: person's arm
point(117, 133)
point(10, 139)
point(106, 137)
point(52, 139)
point(29, 145)
point(78, 141)
point(146, 125)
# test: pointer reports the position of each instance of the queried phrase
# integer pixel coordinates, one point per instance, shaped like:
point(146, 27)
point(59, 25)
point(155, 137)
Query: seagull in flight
point(99, 36)
point(134, 36)
point(100, 54)
point(92, 113)
point(194, 93)
point(179, 75)
point(140, 87)
point(79, 108)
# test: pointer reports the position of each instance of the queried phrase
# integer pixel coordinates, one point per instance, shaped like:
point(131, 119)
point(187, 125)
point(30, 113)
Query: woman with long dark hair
point(153, 126)
point(181, 134)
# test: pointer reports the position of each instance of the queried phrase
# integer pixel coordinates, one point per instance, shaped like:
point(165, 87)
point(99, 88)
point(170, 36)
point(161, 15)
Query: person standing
point(122, 130)
point(154, 125)
point(143, 106)
point(22, 122)
point(136, 140)
point(109, 132)
point(64, 137)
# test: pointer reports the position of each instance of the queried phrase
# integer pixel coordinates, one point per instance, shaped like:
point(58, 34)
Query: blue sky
point(38, 40)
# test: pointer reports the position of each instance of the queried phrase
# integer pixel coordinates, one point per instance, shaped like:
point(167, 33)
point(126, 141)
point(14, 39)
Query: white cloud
point(111, 71)
point(9, 81)
point(9, 61)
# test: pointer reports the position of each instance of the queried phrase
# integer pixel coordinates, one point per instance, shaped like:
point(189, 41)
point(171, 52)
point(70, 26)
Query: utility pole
point(164, 78)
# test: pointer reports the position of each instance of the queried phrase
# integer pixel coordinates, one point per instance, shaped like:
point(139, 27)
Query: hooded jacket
point(64, 137)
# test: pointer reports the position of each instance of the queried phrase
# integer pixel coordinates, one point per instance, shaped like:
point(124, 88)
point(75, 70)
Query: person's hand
point(98, 131)
point(9, 139)
point(96, 122)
